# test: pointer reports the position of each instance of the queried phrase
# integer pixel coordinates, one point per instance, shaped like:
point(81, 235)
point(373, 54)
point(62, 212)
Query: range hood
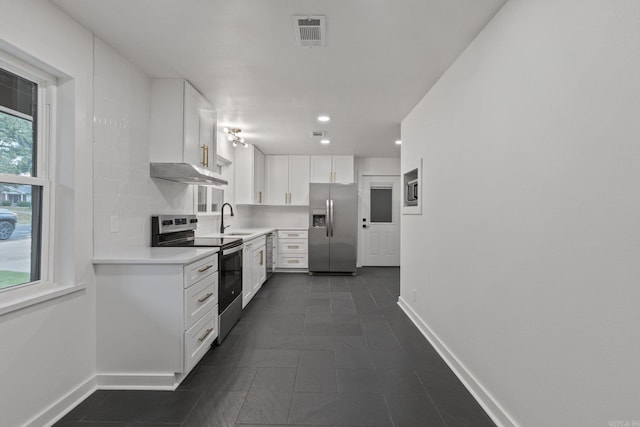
point(186, 173)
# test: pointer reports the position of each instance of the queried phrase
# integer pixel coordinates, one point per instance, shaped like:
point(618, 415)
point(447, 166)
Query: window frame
point(45, 152)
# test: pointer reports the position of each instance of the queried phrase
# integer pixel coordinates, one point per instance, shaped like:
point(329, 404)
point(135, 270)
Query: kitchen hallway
point(309, 350)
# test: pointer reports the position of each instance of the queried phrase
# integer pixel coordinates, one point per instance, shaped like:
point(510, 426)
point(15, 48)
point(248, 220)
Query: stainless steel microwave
point(411, 193)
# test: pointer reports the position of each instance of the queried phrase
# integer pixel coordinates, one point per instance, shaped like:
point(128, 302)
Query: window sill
point(22, 298)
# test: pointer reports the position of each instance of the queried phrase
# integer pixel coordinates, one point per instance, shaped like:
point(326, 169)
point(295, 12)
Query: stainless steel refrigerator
point(333, 228)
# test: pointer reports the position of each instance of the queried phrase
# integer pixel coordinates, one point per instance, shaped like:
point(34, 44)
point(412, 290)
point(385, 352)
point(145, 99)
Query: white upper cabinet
point(182, 124)
point(277, 180)
point(259, 195)
point(298, 180)
point(328, 169)
point(287, 180)
point(250, 176)
point(321, 169)
point(342, 169)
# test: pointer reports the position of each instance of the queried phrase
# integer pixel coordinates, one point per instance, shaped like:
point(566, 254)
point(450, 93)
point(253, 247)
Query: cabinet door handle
point(205, 156)
point(203, 269)
point(206, 334)
point(285, 198)
point(206, 297)
point(261, 257)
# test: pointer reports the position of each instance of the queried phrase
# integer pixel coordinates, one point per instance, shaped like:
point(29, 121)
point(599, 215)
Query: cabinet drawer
point(292, 246)
point(293, 261)
point(199, 338)
point(198, 270)
point(292, 234)
point(199, 299)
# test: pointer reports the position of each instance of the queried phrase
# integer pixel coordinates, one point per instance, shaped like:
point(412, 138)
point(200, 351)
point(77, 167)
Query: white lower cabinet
point(247, 273)
point(154, 322)
point(199, 338)
point(293, 249)
point(259, 267)
point(254, 267)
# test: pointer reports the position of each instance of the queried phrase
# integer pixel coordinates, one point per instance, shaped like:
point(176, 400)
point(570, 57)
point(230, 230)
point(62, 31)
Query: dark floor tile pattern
point(309, 350)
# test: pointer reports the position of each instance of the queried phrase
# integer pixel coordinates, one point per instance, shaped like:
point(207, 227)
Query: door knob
point(365, 226)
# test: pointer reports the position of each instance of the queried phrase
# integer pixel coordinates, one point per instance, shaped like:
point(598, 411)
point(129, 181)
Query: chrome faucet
point(222, 227)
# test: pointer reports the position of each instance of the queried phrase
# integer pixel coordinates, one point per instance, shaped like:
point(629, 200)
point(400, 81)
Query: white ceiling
point(380, 58)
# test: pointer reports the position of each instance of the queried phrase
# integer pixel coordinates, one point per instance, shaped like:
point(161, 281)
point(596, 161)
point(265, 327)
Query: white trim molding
point(477, 390)
point(142, 381)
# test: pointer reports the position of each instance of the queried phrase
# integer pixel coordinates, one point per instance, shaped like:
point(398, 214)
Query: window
point(381, 209)
point(209, 199)
point(24, 184)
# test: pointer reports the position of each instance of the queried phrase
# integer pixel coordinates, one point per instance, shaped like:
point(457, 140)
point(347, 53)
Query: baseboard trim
point(63, 405)
point(484, 398)
point(158, 381)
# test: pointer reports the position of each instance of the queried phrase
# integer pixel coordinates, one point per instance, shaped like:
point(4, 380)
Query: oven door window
point(230, 285)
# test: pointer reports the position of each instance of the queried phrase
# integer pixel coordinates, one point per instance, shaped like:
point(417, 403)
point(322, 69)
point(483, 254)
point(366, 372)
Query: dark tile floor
point(323, 351)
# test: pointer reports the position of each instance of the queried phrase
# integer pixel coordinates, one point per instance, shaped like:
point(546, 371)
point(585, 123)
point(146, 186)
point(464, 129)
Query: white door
point(380, 222)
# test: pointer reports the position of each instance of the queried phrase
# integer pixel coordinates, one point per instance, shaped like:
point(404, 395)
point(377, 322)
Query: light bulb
point(324, 141)
point(324, 118)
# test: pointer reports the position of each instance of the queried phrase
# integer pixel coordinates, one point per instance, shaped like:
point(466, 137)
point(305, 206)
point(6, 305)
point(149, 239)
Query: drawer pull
point(292, 235)
point(206, 297)
point(206, 334)
point(293, 247)
point(203, 269)
point(293, 261)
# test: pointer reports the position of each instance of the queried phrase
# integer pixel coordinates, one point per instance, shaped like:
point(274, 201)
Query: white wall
point(123, 187)
point(377, 166)
point(270, 216)
point(48, 350)
point(525, 258)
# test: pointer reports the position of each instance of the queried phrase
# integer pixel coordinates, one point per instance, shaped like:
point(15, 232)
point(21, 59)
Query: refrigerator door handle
point(326, 226)
point(331, 216)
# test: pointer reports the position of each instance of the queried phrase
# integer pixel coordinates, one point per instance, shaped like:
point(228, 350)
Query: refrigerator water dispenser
point(319, 218)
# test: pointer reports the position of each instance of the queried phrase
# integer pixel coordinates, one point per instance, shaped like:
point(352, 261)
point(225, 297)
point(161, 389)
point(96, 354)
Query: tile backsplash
point(122, 185)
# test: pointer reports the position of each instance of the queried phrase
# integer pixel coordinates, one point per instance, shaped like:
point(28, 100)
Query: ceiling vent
point(319, 133)
point(310, 30)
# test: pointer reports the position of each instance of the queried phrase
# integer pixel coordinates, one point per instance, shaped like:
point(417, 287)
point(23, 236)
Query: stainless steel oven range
point(179, 231)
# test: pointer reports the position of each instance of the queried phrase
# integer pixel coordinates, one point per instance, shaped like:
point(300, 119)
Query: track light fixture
point(233, 138)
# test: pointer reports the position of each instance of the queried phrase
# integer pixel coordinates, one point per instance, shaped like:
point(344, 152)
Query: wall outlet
point(115, 226)
point(415, 295)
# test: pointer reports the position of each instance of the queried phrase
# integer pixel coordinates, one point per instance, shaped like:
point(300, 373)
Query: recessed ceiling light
point(324, 118)
point(324, 141)
point(398, 142)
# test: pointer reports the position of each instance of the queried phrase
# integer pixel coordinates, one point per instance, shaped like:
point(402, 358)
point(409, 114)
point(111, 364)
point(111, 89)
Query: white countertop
point(247, 233)
point(157, 256)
